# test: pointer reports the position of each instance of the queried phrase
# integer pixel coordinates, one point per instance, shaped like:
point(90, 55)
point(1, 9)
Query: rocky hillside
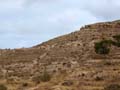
point(68, 62)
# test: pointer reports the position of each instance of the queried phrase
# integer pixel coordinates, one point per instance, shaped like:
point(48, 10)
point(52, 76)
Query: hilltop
point(70, 62)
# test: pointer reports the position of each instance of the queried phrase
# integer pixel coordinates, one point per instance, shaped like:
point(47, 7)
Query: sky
point(25, 23)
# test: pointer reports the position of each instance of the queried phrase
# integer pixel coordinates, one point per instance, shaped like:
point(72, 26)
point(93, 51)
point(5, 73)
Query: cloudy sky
point(24, 23)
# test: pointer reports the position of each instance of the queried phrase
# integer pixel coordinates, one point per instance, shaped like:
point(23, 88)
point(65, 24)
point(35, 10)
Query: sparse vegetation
point(3, 87)
point(112, 87)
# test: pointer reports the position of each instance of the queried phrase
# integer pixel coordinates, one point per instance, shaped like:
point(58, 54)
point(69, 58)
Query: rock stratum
point(70, 61)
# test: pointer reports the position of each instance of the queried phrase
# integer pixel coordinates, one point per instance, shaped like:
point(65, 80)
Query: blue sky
point(24, 23)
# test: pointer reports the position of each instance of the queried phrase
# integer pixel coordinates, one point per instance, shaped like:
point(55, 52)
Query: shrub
point(107, 63)
point(112, 87)
point(25, 84)
point(67, 83)
point(45, 76)
point(3, 87)
point(102, 47)
point(42, 77)
point(117, 42)
point(36, 79)
point(117, 38)
point(98, 78)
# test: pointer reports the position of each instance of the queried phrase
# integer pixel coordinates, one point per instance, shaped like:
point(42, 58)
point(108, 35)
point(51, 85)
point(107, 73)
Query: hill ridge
point(70, 57)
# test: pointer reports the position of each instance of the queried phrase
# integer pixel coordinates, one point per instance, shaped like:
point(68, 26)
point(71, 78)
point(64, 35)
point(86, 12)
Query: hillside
point(70, 61)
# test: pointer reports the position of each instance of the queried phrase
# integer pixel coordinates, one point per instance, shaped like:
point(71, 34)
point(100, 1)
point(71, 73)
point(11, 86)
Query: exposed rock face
point(71, 57)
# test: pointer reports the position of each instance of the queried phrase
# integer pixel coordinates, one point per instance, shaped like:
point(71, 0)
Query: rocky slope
point(70, 60)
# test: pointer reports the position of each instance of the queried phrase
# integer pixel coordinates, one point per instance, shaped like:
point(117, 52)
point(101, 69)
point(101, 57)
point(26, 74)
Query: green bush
point(3, 87)
point(112, 87)
point(102, 47)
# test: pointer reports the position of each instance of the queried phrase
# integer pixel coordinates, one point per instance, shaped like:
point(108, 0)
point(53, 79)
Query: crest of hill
point(87, 31)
